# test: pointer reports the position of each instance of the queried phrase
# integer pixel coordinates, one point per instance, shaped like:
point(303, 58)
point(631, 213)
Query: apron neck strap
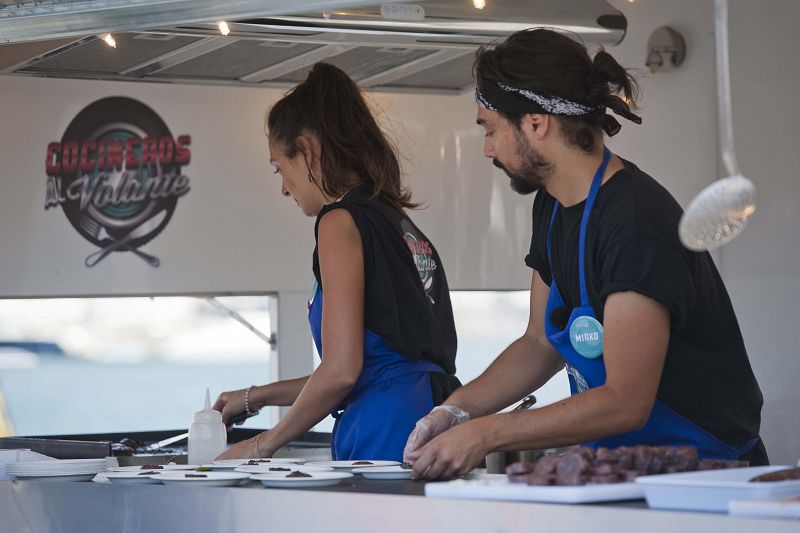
point(587, 209)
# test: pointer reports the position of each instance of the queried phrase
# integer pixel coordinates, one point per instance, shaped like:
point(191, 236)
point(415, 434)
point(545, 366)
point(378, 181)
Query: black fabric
point(632, 245)
point(442, 386)
point(406, 297)
point(757, 456)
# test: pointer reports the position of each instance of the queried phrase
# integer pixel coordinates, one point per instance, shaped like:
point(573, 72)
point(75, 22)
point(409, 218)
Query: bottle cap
point(208, 415)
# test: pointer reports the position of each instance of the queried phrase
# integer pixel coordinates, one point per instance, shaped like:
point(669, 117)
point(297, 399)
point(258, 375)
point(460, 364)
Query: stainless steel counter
point(360, 505)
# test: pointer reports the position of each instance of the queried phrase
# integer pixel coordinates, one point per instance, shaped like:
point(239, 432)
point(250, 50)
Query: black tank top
point(406, 297)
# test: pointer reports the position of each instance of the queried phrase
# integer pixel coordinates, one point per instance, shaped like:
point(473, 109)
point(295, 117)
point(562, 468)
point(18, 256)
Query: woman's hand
point(247, 449)
point(230, 404)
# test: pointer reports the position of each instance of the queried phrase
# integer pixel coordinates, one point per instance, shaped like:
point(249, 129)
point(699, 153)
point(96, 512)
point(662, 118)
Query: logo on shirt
point(422, 252)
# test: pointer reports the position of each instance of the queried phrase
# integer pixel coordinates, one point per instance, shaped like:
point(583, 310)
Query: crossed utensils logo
point(116, 173)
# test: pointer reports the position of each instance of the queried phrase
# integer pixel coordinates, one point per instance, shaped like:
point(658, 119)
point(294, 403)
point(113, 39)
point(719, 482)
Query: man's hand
point(438, 420)
point(453, 453)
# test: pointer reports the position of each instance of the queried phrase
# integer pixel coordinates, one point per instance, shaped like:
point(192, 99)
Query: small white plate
point(164, 468)
point(317, 479)
point(133, 477)
point(66, 477)
point(234, 463)
point(266, 469)
point(348, 466)
point(211, 479)
point(384, 472)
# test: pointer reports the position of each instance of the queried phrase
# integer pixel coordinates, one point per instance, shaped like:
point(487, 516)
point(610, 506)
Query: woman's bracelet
point(247, 403)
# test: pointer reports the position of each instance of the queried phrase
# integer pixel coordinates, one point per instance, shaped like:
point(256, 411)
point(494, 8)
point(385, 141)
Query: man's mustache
point(498, 164)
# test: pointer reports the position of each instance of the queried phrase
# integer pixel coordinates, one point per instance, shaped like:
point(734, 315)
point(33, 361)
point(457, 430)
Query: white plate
point(211, 479)
point(711, 490)
point(347, 466)
point(233, 463)
point(503, 489)
point(56, 467)
point(66, 477)
point(317, 479)
point(265, 469)
point(132, 477)
point(384, 472)
point(164, 468)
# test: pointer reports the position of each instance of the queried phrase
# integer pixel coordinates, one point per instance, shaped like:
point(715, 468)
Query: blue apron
point(392, 393)
point(665, 426)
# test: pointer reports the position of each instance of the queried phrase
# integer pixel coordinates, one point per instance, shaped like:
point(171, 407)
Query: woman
point(380, 310)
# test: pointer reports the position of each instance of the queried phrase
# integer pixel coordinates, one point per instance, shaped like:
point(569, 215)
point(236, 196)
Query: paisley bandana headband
point(503, 98)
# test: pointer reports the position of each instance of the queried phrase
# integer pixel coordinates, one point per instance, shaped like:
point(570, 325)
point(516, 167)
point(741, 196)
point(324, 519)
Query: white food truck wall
point(234, 233)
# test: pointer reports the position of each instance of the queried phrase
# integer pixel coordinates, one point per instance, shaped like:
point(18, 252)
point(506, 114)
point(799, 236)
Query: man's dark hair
point(554, 65)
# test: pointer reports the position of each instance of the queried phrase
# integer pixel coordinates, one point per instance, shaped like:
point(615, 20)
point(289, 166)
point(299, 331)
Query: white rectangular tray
point(502, 489)
point(711, 490)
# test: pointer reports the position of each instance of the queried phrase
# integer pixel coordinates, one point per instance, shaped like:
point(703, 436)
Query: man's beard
point(533, 168)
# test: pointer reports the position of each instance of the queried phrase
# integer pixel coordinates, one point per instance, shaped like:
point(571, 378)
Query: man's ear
point(536, 124)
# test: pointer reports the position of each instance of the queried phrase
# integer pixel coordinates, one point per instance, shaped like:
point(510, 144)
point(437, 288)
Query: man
point(644, 327)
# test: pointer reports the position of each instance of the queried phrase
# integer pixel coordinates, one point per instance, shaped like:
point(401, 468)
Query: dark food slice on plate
point(781, 475)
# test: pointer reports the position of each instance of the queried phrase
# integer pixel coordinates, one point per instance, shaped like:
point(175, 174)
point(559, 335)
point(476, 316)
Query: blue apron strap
point(549, 231)
point(587, 209)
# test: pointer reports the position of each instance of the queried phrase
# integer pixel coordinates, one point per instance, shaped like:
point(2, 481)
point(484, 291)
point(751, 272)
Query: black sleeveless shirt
point(406, 297)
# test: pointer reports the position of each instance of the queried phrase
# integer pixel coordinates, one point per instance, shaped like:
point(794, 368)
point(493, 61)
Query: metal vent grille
point(98, 57)
point(236, 60)
point(363, 62)
point(452, 75)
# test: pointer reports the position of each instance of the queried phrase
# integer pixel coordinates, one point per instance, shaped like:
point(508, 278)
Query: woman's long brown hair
point(330, 106)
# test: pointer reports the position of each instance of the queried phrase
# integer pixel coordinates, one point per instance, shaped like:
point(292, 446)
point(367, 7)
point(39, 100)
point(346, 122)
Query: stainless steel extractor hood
point(427, 46)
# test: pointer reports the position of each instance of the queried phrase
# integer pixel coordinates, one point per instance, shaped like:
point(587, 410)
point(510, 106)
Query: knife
point(165, 442)
point(238, 420)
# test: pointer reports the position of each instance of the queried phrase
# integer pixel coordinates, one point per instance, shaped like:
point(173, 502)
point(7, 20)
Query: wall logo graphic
point(116, 173)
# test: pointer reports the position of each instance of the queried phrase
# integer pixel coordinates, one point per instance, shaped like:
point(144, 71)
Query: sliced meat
point(547, 464)
point(518, 472)
point(571, 465)
point(780, 475)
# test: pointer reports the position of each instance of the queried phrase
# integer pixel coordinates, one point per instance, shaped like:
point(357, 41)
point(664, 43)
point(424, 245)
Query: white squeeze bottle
point(207, 436)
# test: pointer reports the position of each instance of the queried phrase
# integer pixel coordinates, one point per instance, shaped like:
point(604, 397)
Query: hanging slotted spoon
point(721, 210)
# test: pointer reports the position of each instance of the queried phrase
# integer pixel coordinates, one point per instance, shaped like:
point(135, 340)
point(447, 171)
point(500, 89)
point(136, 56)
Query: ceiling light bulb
point(110, 40)
point(223, 28)
point(479, 4)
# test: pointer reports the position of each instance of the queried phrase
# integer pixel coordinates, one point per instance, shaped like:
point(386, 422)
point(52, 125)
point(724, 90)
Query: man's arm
point(524, 366)
point(635, 345)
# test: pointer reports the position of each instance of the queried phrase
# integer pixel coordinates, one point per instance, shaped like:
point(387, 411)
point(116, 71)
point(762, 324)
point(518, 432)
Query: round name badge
point(586, 336)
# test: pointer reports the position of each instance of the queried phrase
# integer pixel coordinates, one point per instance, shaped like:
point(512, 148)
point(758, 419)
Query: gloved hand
point(440, 419)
